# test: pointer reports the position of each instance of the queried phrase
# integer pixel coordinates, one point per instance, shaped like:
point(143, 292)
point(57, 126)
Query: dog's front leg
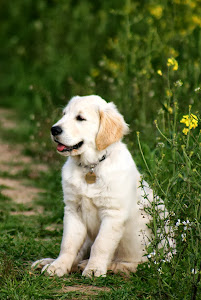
point(106, 242)
point(74, 234)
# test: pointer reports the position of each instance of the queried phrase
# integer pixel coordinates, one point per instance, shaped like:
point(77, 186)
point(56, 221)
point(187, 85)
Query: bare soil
point(12, 161)
point(88, 290)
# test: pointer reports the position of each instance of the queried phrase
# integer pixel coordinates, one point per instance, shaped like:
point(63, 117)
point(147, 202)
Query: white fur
point(106, 218)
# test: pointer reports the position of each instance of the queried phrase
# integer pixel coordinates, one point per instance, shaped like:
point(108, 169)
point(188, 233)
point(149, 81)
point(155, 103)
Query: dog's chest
point(90, 216)
point(83, 183)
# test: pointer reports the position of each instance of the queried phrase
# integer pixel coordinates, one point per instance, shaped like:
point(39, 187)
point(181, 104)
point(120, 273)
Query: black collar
point(92, 166)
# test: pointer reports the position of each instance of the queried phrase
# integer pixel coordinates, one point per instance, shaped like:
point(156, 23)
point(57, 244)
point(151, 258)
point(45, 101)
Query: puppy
point(104, 218)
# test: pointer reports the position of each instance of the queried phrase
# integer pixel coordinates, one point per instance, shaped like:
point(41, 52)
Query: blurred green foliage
point(51, 50)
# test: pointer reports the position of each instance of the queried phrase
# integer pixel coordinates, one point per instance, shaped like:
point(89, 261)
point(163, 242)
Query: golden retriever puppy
point(104, 221)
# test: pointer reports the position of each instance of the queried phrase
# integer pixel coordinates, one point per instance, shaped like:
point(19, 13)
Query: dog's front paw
point(93, 271)
point(39, 264)
point(58, 267)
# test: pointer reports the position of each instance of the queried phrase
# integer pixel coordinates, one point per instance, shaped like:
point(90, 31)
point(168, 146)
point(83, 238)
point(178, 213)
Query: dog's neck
point(90, 158)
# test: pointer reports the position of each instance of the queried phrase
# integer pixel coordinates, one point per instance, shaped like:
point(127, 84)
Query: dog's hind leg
point(82, 264)
point(82, 256)
point(123, 267)
point(115, 267)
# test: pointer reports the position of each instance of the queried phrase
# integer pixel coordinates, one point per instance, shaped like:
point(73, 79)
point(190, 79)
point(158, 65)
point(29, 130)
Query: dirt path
point(22, 191)
point(12, 161)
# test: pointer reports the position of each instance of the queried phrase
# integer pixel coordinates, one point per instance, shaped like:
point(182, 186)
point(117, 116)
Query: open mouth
point(63, 148)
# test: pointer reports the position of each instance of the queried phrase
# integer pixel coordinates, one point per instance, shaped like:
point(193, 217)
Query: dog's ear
point(112, 127)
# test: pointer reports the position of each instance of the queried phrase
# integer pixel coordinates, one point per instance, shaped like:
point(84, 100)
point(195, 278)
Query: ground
point(17, 174)
point(11, 162)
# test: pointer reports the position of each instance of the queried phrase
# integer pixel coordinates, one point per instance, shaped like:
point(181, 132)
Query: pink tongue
point(60, 147)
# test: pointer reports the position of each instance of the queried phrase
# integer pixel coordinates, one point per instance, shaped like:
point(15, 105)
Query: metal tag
point(90, 177)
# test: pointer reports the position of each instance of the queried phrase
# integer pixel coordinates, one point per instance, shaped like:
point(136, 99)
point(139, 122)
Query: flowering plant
point(191, 122)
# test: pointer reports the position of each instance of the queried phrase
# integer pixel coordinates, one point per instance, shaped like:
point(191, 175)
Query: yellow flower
point(159, 72)
point(171, 62)
point(169, 109)
point(191, 121)
point(156, 11)
point(168, 93)
point(185, 131)
point(196, 20)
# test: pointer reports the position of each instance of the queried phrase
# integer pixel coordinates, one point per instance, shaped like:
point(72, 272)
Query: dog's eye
point(80, 118)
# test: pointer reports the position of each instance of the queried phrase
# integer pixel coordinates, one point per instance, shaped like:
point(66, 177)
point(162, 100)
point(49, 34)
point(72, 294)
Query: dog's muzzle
point(64, 148)
point(57, 130)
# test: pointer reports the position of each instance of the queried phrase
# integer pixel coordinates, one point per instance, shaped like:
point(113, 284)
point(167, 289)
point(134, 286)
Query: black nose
point(56, 130)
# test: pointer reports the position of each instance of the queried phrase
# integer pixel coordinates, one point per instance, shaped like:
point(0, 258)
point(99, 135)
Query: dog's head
point(88, 122)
